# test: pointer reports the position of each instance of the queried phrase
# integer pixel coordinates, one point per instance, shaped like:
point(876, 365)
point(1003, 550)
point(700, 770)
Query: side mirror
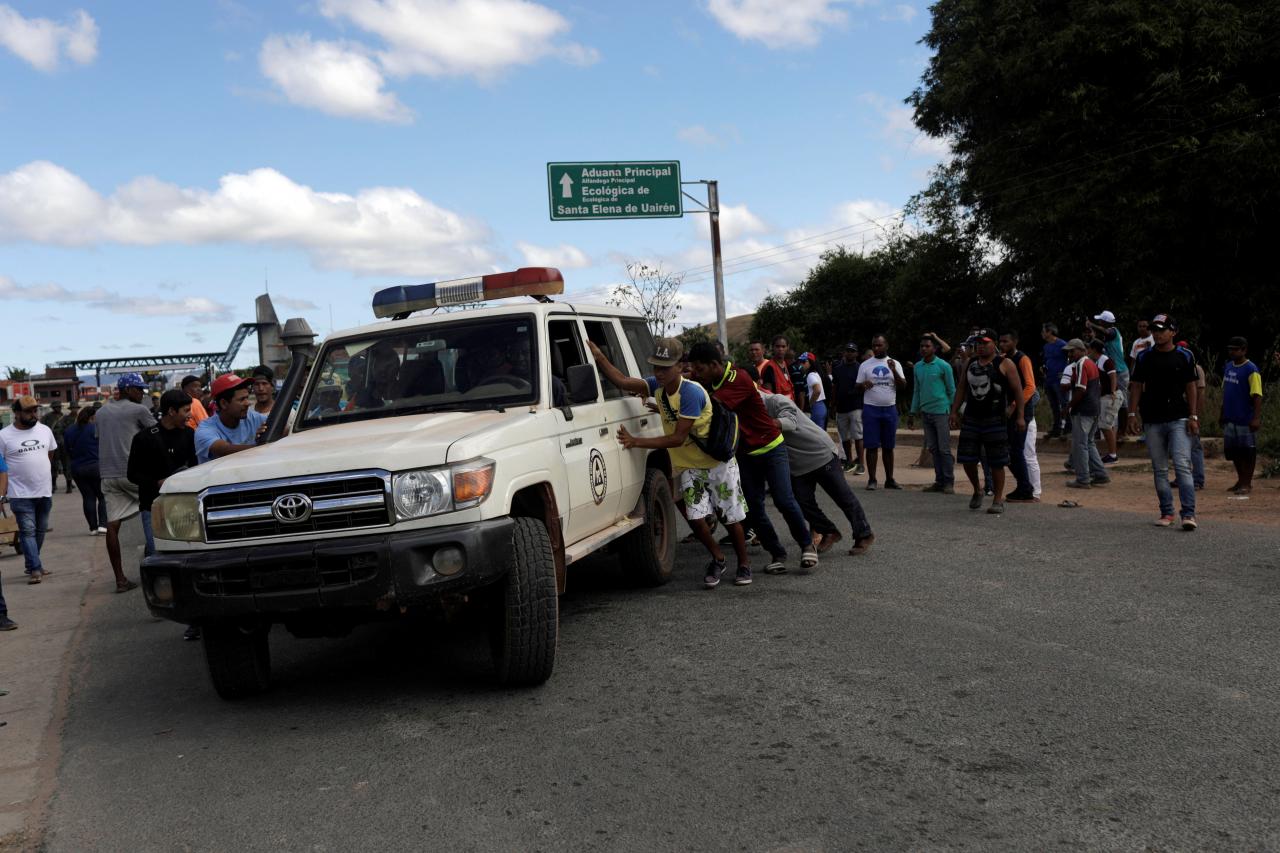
point(581, 379)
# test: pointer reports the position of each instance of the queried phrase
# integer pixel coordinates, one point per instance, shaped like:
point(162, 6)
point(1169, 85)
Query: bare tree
point(653, 293)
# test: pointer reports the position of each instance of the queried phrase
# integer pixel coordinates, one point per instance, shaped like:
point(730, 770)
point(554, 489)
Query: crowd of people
point(118, 454)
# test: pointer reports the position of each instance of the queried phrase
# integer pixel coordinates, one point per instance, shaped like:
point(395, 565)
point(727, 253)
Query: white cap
point(1106, 317)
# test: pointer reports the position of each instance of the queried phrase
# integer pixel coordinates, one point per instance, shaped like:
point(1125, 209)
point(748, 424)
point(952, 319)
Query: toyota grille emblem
point(291, 508)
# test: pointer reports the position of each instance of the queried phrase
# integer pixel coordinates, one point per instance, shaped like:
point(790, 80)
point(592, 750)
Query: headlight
point(177, 517)
point(429, 491)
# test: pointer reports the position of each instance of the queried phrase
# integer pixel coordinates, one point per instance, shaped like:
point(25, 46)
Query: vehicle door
point(588, 446)
point(622, 409)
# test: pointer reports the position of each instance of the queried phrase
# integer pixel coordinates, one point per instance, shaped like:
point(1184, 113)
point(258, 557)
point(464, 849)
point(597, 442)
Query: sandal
point(809, 558)
point(1069, 504)
point(126, 586)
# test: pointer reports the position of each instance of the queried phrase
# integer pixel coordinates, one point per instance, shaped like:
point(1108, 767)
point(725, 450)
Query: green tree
point(17, 374)
point(1120, 154)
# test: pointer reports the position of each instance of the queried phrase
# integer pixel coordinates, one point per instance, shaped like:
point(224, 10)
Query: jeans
point(92, 502)
point(149, 550)
point(831, 478)
point(818, 412)
point(1085, 459)
point(1165, 442)
point(33, 521)
point(4, 608)
point(1057, 402)
point(772, 468)
point(1197, 462)
point(937, 439)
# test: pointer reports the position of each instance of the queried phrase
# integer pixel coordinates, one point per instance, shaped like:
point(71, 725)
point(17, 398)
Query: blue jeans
point(773, 468)
point(33, 522)
point(4, 608)
point(150, 549)
point(1197, 462)
point(1085, 459)
point(818, 412)
point(937, 439)
point(1165, 442)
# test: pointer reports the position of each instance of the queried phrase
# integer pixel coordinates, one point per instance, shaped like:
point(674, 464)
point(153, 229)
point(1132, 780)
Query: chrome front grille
point(338, 502)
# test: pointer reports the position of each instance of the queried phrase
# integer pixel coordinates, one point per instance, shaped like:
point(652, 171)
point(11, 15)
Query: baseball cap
point(1105, 316)
point(1076, 343)
point(1161, 322)
point(666, 352)
point(56, 404)
point(807, 356)
point(26, 401)
point(981, 335)
point(1238, 341)
point(130, 380)
point(851, 347)
point(227, 382)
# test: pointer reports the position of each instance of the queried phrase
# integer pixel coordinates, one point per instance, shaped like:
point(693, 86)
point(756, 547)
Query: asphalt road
point(1050, 679)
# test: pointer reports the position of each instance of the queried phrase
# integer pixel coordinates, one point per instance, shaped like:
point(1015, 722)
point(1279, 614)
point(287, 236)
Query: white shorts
point(707, 490)
point(849, 424)
point(122, 498)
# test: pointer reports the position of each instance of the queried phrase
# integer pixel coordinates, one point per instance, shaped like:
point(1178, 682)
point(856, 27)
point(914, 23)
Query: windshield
point(458, 366)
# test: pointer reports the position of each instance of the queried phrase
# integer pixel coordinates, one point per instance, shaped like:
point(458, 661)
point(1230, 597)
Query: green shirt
point(935, 386)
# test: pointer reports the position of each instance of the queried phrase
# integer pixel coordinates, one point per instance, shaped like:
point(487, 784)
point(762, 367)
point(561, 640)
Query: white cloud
point(105, 300)
point(380, 230)
point(697, 135)
point(563, 256)
point(479, 38)
point(295, 304)
point(899, 129)
point(43, 42)
point(736, 220)
point(900, 13)
point(779, 23)
point(332, 77)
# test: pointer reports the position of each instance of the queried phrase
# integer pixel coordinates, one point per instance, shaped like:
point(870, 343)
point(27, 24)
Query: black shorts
point(989, 434)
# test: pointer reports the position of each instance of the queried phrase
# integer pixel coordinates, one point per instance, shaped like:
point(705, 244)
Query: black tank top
point(987, 394)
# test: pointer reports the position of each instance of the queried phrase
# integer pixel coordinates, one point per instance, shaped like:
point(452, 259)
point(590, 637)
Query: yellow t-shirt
point(690, 401)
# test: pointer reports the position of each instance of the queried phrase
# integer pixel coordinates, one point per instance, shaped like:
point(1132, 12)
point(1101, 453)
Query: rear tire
point(648, 554)
point(525, 623)
point(239, 659)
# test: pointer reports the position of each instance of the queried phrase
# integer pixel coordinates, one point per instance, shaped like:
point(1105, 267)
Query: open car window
point(448, 366)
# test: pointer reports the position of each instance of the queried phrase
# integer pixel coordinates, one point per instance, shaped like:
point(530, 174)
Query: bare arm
point(1193, 422)
point(1135, 395)
point(630, 384)
point(1015, 393)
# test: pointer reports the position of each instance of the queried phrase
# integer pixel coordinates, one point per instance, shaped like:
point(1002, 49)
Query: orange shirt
point(1028, 377)
point(197, 413)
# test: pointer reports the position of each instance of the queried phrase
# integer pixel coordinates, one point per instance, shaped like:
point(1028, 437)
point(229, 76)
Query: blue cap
point(131, 380)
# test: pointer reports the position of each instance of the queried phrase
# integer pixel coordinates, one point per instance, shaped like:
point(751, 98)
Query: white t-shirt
point(26, 453)
point(884, 389)
point(1140, 344)
point(813, 380)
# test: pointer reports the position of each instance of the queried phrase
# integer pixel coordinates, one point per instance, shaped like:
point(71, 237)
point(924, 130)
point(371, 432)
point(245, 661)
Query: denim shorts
point(1237, 437)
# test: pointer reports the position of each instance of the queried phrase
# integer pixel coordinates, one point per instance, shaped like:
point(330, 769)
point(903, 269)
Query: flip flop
point(126, 586)
point(1069, 504)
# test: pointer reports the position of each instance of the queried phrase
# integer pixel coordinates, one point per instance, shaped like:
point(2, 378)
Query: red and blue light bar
point(402, 300)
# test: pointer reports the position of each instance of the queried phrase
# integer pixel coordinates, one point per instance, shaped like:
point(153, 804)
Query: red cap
point(226, 382)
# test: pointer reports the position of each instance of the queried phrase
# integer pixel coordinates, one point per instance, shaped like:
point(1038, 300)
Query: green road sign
point(644, 190)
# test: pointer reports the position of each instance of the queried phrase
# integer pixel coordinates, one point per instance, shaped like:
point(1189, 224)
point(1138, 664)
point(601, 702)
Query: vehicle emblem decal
point(599, 476)
point(292, 508)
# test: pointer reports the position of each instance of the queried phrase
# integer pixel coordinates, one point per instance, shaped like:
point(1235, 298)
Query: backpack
point(722, 434)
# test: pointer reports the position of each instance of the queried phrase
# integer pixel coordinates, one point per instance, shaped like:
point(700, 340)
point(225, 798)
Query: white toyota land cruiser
point(433, 462)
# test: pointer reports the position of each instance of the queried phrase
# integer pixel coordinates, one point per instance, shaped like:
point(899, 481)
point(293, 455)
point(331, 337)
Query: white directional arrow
point(566, 186)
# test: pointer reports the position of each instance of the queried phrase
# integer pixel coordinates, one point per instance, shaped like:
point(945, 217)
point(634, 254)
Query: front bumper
point(376, 571)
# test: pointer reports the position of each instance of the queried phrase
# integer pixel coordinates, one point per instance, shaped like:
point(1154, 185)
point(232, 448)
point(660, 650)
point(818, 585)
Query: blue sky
point(160, 160)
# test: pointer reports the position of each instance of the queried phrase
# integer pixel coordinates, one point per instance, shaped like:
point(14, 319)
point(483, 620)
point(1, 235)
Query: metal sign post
point(712, 208)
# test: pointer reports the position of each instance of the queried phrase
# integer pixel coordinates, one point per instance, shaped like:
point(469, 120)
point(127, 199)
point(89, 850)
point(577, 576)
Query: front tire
point(648, 554)
point(239, 659)
point(525, 625)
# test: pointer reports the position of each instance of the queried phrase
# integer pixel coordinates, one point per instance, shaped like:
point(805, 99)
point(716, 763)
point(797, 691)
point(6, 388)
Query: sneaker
point(192, 633)
point(777, 567)
point(859, 468)
point(1068, 465)
point(996, 508)
point(1019, 497)
point(933, 488)
point(1189, 523)
point(892, 484)
point(35, 577)
point(846, 467)
point(948, 489)
point(1110, 459)
point(975, 502)
point(7, 624)
point(1076, 484)
point(743, 577)
point(1165, 521)
point(101, 531)
point(715, 569)
point(871, 485)
point(1099, 481)
point(988, 491)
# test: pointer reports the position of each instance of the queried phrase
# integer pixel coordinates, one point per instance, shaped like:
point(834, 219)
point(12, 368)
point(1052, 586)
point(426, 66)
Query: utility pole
point(712, 208)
